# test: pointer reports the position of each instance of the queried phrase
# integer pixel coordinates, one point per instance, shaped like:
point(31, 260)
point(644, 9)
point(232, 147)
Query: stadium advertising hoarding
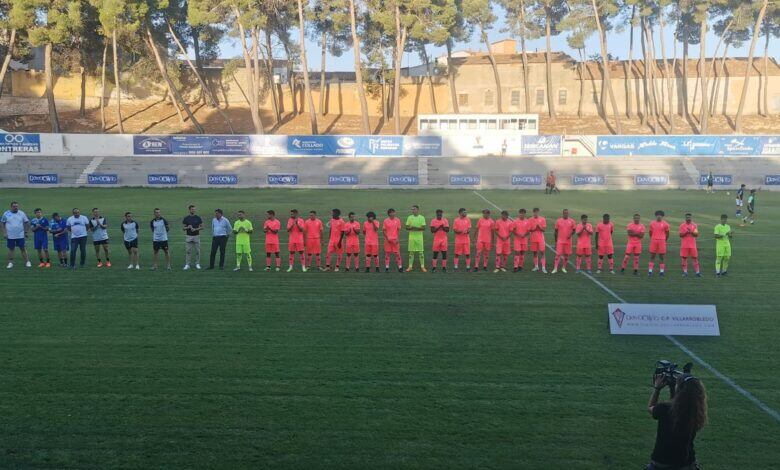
point(278, 179)
point(526, 180)
point(772, 180)
point(651, 180)
point(163, 179)
point(20, 143)
point(689, 145)
point(222, 179)
point(717, 180)
point(345, 145)
point(546, 145)
point(585, 180)
point(102, 178)
point(423, 146)
point(663, 319)
point(465, 180)
point(210, 145)
point(46, 178)
point(343, 180)
point(403, 180)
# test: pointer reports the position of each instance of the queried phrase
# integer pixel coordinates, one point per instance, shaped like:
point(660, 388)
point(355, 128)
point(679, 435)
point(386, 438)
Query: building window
point(540, 97)
point(562, 96)
point(463, 99)
point(515, 101)
point(488, 97)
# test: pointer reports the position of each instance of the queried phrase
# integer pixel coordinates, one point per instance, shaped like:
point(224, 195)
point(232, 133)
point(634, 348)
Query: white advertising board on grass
point(663, 319)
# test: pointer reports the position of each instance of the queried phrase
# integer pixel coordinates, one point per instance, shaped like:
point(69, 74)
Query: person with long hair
point(679, 419)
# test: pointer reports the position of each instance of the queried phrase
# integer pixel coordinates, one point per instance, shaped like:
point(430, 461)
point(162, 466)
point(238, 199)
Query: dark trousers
point(218, 243)
point(76, 244)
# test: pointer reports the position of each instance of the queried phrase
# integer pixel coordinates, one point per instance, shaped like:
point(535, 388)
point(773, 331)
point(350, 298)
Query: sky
point(618, 46)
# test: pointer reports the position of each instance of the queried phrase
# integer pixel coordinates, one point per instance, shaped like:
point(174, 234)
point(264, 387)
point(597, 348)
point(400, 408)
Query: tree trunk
point(385, 112)
point(548, 67)
point(55, 121)
point(451, 79)
point(305, 67)
point(103, 88)
point(400, 43)
point(703, 76)
point(83, 82)
point(686, 108)
point(494, 65)
point(195, 34)
point(271, 82)
point(646, 109)
point(766, 71)
point(208, 94)
point(721, 72)
point(7, 60)
point(171, 87)
point(117, 85)
point(746, 79)
point(630, 72)
point(582, 81)
point(668, 73)
point(658, 113)
point(524, 59)
point(254, 110)
point(366, 125)
point(322, 71)
point(716, 79)
point(430, 78)
point(605, 65)
point(255, 35)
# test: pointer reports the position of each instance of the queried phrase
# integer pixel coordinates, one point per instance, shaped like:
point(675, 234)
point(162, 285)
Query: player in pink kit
point(537, 225)
point(520, 232)
point(604, 231)
point(503, 229)
point(352, 234)
point(689, 231)
point(371, 240)
point(271, 228)
point(564, 230)
point(313, 231)
point(440, 227)
point(295, 229)
point(391, 228)
point(636, 232)
point(659, 234)
point(335, 240)
point(485, 226)
point(584, 232)
point(462, 227)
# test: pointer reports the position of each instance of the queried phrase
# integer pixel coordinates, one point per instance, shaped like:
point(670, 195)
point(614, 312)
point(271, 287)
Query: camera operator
point(678, 422)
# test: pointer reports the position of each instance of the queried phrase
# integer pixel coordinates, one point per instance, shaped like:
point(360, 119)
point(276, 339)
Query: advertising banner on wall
point(717, 180)
point(20, 143)
point(423, 146)
point(343, 180)
point(48, 178)
point(582, 180)
point(283, 179)
point(526, 180)
point(657, 145)
point(772, 180)
point(162, 179)
point(210, 145)
point(770, 145)
point(651, 180)
point(403, 180)
point(102, 178)
point(549, 145)
point(663, 319)
point(465, 180)
point(222, 179)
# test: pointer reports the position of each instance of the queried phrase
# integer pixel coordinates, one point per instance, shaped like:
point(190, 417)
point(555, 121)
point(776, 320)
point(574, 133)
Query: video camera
point(669, 371)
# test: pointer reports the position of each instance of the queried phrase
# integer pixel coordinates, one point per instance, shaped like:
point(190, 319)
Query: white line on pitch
point(730, 382)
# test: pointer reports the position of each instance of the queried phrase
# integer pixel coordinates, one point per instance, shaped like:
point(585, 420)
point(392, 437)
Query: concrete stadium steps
point(15, 170)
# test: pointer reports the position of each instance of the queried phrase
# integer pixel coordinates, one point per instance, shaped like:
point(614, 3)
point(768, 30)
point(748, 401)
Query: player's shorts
point(295, 247)
point(131, 244)
point(353, 248)
point(484, 246)
point(751, 209)
point(537, 245)
point(721, 251)
point(440, 245)
point(12, 243)
point(372, 250)
point(634, 249)
point(584, 250)
point(739, 202)
point(658, 247)
point(686, 252)
point(61, 244)
point(462, 248)
point(157, 246)
point(41, 243)
point(415, 245)
point(503, 247)
point(563, 248)
point(521, 244)
point(313, 246)
point(100, 242)
point(605, 250)
point(392, 247)
point(333, 247)
point(269, 248)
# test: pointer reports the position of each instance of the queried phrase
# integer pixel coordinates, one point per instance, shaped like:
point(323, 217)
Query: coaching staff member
point(220, 228)
point(678, 422)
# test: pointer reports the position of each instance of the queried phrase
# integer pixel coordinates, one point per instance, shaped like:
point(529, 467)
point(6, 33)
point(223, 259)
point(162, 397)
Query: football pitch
point(109, 368)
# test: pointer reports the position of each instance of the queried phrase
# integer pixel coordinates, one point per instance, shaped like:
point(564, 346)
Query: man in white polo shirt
point(15, 227)
point(77, 226)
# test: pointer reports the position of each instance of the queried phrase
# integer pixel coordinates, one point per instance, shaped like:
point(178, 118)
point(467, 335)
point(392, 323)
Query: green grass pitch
point(105, 368)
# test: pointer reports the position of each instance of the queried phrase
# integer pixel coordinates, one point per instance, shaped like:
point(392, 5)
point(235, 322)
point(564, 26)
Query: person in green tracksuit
point(723, 235)
point(415, 224)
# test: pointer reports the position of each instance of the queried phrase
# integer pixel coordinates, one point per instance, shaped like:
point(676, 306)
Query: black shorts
point(160, 246)
point(101, 242)
point(131, 244)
